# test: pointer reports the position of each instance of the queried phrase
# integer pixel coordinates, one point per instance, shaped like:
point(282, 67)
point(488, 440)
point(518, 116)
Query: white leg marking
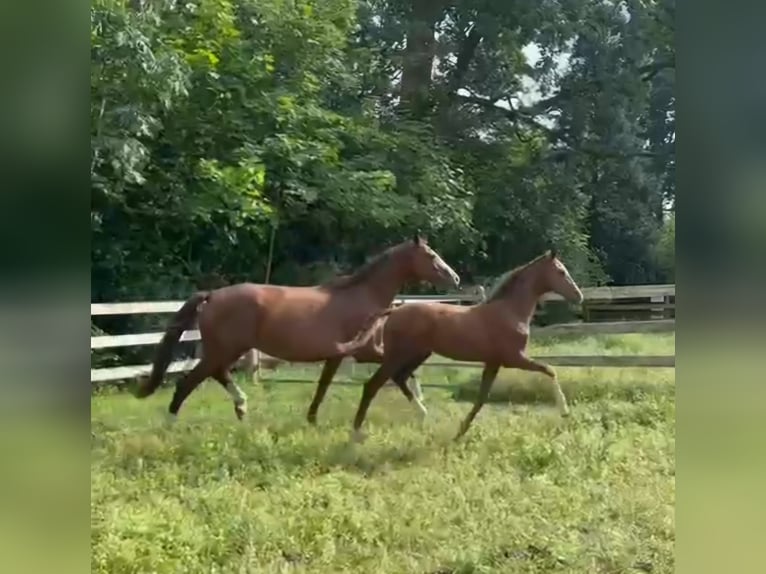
point(238, 395)
point(561, 400)
point(414, 385)
point(422, 410)
point(170, 419)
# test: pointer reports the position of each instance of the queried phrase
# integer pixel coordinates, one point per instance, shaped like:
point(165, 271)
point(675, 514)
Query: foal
point(494, 332)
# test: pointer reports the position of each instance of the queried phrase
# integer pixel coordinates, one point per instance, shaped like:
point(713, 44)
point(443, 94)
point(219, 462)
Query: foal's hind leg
point(371, 388)
point(237, 394)
point(487, 378)
point(415, 387)
point(403, 375)
point(185, 386)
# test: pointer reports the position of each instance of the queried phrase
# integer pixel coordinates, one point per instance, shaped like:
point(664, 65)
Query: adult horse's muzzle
point(453, 278)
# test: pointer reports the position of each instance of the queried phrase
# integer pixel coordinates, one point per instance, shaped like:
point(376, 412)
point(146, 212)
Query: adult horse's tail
point(182, 320)
point(365, 333)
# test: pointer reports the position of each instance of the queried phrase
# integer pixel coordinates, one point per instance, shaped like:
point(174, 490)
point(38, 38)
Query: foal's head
point(553, 276)
point(424, 264)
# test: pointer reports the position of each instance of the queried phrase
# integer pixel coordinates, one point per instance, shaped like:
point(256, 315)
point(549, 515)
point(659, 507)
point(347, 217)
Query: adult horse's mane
point(509, 279)
point(362, 273)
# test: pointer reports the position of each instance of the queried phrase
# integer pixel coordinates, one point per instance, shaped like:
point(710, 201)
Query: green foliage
point(212, 121)
point(666, 248)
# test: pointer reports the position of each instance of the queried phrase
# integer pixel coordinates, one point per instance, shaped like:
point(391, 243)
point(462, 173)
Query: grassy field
point(525, 491)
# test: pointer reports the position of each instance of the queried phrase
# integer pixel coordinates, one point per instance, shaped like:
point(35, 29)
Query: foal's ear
point(417, 238)
point(552, 253)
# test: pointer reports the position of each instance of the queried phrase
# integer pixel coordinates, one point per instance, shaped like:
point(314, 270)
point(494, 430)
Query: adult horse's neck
point(381, 278)
point(386, 281)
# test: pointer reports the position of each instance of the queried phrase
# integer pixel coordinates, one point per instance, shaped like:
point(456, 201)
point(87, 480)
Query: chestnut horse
point(494, 332)
point(392, 274)
point(297, 324)
point(372, 353)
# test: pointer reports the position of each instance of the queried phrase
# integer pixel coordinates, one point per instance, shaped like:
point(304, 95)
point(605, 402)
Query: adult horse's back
point(302, 324)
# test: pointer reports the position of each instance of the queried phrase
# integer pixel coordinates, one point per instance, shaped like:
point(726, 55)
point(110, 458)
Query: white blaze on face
point(444, 268)
point(561, 267)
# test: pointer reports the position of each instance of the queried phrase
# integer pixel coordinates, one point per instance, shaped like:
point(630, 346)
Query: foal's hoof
point(312, 419)
point(463, 429)
point(240, 411)
point(357, 436)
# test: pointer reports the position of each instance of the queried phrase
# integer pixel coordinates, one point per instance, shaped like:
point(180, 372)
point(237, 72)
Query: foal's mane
point(362, 273)
point(509, 279)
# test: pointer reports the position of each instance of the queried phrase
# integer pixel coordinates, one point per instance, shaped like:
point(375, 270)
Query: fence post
point(656, 313)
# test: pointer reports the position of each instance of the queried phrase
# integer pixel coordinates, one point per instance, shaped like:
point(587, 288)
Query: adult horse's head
point(425, 264)
point(555, 277)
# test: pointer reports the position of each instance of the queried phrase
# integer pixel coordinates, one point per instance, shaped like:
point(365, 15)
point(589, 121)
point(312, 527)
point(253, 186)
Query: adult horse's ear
point(417, 239)
point(552, 253)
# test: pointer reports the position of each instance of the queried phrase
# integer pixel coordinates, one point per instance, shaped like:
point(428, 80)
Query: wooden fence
point(655, 301)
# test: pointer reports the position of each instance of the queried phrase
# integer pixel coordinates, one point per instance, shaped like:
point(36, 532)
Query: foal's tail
point(366, 333)
point(182, 320)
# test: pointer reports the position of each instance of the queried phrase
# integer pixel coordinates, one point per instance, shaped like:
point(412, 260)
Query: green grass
point(525, 491)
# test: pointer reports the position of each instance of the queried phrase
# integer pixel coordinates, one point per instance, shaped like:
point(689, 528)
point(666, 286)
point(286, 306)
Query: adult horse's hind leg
point(185, 386)
point(487, 378)
point(237, 394)
point(328, 372)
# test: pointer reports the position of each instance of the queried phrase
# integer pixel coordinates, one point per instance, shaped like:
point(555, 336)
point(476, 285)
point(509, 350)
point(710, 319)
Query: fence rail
point(596, 298)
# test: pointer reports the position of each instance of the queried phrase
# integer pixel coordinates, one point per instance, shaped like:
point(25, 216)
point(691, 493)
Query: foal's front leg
point(525, 363)
point(487, 378)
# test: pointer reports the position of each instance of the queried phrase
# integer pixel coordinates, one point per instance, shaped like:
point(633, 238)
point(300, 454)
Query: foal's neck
point(522, 297)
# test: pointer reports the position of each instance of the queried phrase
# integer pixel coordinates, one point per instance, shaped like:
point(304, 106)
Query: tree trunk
point(419, 56)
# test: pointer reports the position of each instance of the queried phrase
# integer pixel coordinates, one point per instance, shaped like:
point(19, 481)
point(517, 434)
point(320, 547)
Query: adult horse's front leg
point(487, 378)
point(328, 372)
point(527, 364)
